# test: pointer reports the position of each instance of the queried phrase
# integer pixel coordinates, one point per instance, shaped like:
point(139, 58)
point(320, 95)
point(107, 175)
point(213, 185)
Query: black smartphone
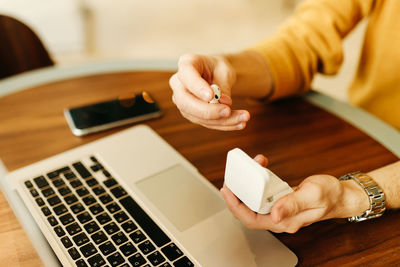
point(101, 116)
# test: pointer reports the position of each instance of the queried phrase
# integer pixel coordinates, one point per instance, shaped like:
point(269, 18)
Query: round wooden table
point(299, 138)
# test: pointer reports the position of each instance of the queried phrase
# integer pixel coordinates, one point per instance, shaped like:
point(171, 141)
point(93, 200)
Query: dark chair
point(20, 48)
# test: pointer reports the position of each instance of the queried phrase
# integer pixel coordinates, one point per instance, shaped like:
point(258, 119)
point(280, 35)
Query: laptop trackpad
point(181, 196)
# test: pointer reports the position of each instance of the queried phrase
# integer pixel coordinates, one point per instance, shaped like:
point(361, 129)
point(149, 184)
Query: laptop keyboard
point(97, 222)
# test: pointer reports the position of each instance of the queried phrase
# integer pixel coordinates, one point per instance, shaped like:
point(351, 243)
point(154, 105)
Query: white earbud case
point(254, 185)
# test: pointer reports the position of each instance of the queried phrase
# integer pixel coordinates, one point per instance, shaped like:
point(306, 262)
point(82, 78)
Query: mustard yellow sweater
point(311, 41)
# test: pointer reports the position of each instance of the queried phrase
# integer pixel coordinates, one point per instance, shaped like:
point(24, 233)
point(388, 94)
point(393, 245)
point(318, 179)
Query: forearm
point(354, 200)
point(388, 178)
point(253, 78)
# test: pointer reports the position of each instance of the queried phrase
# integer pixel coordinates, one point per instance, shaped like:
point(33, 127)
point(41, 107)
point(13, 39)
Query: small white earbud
point(217, 94)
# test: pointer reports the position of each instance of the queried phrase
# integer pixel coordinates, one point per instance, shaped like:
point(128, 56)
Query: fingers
point(261, 159)
point(192, 80)
point(311, 202)
point(236, 121)
point(188, 103)
point(238, 208)
point(291, 205)
point(213, 116)
point(192, 92)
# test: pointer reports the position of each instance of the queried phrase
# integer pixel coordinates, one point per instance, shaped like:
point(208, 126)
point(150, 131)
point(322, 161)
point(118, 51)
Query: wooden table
point(299, 138)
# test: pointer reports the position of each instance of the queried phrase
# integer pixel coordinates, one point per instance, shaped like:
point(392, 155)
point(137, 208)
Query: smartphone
point(105, 115)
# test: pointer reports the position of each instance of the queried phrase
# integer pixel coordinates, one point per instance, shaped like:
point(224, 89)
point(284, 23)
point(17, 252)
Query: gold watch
point(375, 194)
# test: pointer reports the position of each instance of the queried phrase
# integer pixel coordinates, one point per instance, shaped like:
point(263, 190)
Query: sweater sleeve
point(310, 41)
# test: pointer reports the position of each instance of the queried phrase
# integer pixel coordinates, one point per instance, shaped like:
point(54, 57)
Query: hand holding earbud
point(194, 96)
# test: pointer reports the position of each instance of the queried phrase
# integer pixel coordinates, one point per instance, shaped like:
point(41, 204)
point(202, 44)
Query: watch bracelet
point(375, 195)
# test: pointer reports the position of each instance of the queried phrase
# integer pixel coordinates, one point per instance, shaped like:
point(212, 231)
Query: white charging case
point(254, 185)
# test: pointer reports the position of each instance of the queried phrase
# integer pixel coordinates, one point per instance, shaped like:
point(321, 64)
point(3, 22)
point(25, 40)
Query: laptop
point(130, 199)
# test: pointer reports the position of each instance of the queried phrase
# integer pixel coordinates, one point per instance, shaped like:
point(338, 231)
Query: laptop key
point(66, 219)
point(89, 200)
point(96, 167)
point(54, 200)
point(40, 201)
point(156, 258)
point(91, 227)
point(88, 250)
point(81, 169)
point(81, 263)
point(60, 209)
point(165, 264)
point(46, 211)
point(107, 248)
point(111, 228)
point(128, 249)
point(77, 208)
point(47, 192)
point(103, 218)
point(70, 199)
point(28, 184)
point(129, 226)
point(64, 190)
point(118, 192)
point(115, 259)
point(110, 182)
point(80, 239)
point(82, 191)
point(58, 182)
point(99, 237)
point(41, 181)
point(172, 252)
point(146, 247)
point(137, 260)
point(96, 261)
point(183, 262)
point(34, 193)
point(149, 226)
point(105, 198)
point(53, 174)
point(74, 253)
point(53, 221)
point(84, 217)
point(137, 236)
point(59, 231)
point(75, 183)
point(96, 209)
point(92, 182)
point(119, 238)
point(66, 242)
point(70, 175)
point(98, 190)
point(120, 216)
point(106, 173)
point(73, 228)
point(113, 207)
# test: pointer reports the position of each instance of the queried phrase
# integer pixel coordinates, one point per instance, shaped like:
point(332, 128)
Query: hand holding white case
point(254, 185)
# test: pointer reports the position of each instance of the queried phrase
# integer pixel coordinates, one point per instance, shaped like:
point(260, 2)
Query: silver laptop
point(130, 199)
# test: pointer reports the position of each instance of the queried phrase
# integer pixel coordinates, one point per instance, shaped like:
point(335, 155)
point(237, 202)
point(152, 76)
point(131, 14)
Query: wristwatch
point(375, 195)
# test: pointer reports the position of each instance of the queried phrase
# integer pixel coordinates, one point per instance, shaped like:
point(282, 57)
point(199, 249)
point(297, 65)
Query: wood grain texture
point(298, 138)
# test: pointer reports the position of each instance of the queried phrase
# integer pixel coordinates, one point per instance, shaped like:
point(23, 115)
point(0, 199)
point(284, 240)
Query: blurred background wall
point(80, 31)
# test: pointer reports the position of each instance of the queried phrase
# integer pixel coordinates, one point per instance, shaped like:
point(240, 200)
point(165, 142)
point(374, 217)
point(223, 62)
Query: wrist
point(354, 200)
point(252, 72)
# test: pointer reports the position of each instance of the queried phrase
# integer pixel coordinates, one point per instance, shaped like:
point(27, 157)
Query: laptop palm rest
point(196, 202)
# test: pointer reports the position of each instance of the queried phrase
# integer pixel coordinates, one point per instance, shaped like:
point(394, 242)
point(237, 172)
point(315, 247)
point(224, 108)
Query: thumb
point(290, 205)
point(262, 160)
